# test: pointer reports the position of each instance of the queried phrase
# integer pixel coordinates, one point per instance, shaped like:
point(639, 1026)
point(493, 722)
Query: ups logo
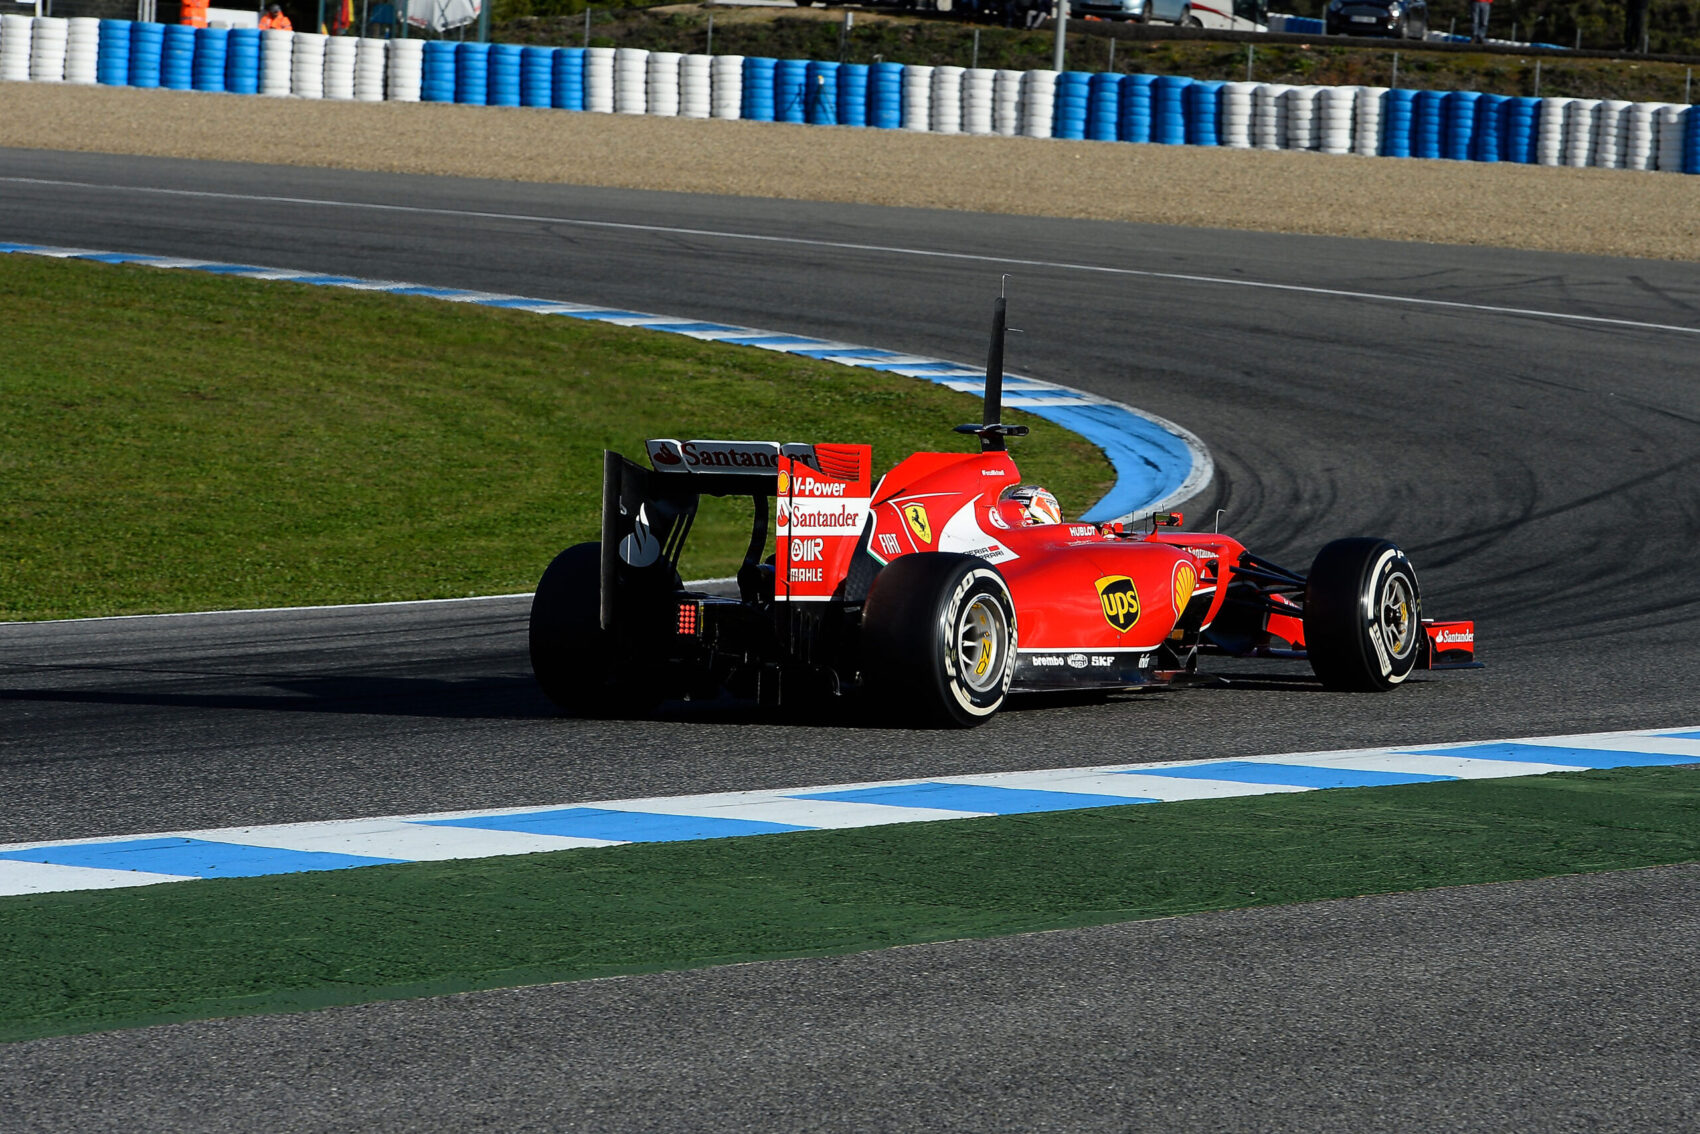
point(1120, 599)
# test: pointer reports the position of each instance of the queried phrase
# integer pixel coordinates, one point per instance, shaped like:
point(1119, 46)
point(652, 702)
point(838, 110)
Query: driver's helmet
point(1037, 505)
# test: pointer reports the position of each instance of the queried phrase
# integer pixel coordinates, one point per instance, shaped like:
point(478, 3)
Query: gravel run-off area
point(1599, 211)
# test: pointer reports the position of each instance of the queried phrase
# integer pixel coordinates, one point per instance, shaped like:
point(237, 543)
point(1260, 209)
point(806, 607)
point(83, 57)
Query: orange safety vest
point(195, 13)
point(279, 21)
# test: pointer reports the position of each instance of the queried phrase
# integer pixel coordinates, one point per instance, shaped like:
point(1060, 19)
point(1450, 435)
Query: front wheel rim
point(1396, 614)
point(982, 644)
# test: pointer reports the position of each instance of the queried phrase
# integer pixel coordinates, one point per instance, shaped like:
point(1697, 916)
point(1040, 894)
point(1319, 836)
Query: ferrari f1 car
point(941, 589)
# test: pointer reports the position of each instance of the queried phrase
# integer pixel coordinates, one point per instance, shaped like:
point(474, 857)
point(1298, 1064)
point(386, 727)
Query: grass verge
point(107, 959)
point(177, 441)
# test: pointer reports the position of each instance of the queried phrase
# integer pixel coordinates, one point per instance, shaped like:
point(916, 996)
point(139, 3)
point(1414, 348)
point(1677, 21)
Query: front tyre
point(1362, 615)
point(938, 640)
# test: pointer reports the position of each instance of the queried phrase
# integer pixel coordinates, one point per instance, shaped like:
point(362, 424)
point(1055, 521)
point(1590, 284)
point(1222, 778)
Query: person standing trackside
point(1479, 10)
point(274, 18)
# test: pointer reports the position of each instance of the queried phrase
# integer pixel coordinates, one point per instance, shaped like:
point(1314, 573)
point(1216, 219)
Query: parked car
point(1402, 19)
point(1222, 15)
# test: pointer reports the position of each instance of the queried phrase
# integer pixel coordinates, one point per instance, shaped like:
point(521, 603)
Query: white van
point(1222, 15)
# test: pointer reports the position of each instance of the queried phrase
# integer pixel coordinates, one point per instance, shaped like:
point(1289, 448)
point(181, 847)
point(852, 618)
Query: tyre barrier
point(242, 61)
point(599, 80)
point(437, 72)
point(1236, 122)
point(212, 56)
point(1488, 142)
point(1398, 123)
point(1203, 113)
point(537, 77)
point(631, 80)
point(504, 74)
point(177, 58)
point(917, 98)
point(726, 86)
point(1068, 117)
point(1103, 106)
point(48, 38)
point(1610, 133)
point(568, 86)
point(854, 79)
point(147, 44)
point(1006, 102)
point(1428, 124)
point(1302, 118)
point(1038, 94)
point(661, 83)
point(947, 100)
point(1135, 122)
point(821, 94)
point(979, 101)
point(1269, 116)
point(696, 92)
point(16, 34)
point(371, 59)
point(1670, 151)
point(112, 66)
point(339, 68)
point(1459, 130)
point(277, 67)
point(404, 81)
point(757, 102)
point(472, 74)
point(791, 90)
point(1521, 135)
point(1166, 109)
point(1579, 131)
point(82, 51)
point(1339, 110)
point(1367, 117)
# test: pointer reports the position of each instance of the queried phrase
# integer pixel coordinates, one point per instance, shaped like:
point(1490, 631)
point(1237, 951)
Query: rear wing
point(647, 513)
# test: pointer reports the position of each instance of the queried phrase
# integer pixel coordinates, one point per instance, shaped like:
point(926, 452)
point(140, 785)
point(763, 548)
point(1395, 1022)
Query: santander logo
point(1455, 637)
point(665, 456)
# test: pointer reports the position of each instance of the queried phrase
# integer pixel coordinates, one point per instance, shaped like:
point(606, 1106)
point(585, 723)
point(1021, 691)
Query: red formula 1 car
point(941, 589)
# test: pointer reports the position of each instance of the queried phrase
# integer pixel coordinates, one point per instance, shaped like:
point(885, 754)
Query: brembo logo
point(1120, 600)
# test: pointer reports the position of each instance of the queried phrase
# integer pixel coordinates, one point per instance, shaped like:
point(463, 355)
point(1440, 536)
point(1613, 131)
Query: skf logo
point(916, 514)
point(1186, 578)
point(1120, 600)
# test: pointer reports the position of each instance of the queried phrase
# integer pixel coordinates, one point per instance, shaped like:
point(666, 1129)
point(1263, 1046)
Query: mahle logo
point(1120, 599)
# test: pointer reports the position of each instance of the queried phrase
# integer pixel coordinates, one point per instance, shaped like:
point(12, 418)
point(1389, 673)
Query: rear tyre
point(1363, 615)
point(571, 656)
point(1192, 21)
point(938, 640)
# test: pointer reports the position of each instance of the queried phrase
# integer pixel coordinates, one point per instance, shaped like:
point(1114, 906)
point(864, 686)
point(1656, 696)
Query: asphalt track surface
point(1540, 471)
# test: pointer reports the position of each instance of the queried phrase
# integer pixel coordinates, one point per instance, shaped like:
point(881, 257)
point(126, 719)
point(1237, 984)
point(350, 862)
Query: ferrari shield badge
point(1120, 600)
point(916, 514)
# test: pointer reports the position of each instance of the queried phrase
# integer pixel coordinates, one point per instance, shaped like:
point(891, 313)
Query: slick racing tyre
point(1362, 615)
point(570, 655)
point(938, 638)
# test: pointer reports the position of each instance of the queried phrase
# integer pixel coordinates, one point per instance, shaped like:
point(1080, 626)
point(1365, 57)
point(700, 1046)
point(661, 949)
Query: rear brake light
point(687, 625)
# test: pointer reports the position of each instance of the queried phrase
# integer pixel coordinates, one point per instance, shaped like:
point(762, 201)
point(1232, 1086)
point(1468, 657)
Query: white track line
point(883, 249)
